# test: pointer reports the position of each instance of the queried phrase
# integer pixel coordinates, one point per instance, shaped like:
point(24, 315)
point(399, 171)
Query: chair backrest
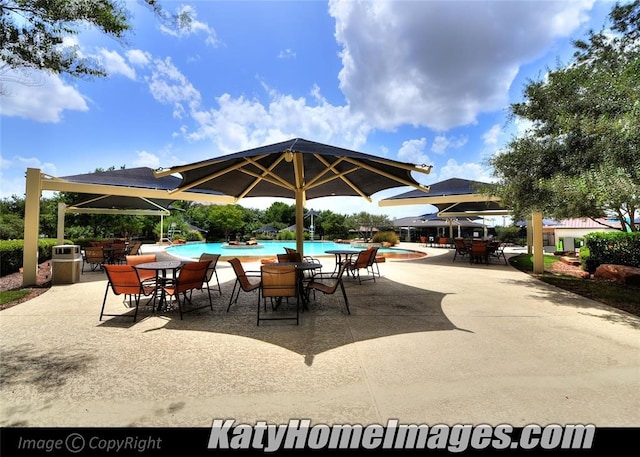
point(134, 247)
point(460, 245)
point(142, 258)
point(192, 275)
point(373, 253)
point(94, 254)
point(279, 281)
point(362, 261)
point(241, 276)
point(479, 248)
point(289, 250)
point(138, 259)
point(213, 261)
point(338, 278)
point(123, 279)
point(283, 257)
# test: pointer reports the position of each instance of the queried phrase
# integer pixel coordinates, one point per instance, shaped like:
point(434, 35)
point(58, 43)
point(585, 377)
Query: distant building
point(562, 235)
point(433, 227)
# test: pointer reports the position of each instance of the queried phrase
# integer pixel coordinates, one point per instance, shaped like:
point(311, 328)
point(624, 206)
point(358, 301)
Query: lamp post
point(311, 213)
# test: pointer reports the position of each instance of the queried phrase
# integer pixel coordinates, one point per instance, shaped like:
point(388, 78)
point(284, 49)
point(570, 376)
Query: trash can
point(66, 263)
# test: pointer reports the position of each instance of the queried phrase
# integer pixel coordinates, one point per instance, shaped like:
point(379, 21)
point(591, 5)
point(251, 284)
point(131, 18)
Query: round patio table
point(161, 268)
point(341, 255)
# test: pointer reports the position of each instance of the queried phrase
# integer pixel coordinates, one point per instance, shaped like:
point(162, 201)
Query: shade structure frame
point(296, 169)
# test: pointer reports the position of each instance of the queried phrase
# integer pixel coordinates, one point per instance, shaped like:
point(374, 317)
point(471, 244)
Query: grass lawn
point(7, 296)
point(626, 298)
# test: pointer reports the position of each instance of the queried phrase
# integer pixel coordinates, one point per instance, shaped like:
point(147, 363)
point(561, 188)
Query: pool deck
point(431, 341)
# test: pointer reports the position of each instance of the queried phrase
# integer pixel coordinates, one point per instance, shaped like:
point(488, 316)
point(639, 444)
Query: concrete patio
point(431, 341)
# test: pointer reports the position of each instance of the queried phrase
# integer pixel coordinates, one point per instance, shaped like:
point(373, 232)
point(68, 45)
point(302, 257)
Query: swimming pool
point(271, 248)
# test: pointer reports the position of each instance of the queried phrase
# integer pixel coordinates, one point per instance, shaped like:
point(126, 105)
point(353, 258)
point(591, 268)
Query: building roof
point(588, 223)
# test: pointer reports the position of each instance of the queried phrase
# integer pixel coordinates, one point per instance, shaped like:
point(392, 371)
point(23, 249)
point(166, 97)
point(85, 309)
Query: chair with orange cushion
point(372, 262)
point(245, 281)
point(278, 282)
point(192, 276)
point(146, 276)
point(328, 283)
point(134, 248)
point(479, 252)
point(93, 257)
point(124, 280)
point(211, 272)
point(361, 262)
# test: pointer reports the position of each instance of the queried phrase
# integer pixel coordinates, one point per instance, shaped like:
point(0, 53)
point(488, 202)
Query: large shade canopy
point(138, 186)
point(136, 201)
point(453, 197)
point(298, 169)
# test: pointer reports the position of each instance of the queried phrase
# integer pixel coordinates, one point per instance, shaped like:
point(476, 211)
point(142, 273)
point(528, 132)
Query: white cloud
point(412, 151)
point(115, 64)
point(441, 143)
point(240, 123)
point(491, 136)
point(146, 159)
point(467, 170)
point(287, 54)
point(440, 64)
point(138, 57)
point(39, 96)
point(168, 85)
point(14, 184)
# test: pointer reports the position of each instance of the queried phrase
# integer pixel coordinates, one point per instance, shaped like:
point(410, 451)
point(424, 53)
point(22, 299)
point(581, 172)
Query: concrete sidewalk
point(432, 341)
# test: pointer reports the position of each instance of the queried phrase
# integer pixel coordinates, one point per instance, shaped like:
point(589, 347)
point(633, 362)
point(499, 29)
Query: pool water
point(271, 248)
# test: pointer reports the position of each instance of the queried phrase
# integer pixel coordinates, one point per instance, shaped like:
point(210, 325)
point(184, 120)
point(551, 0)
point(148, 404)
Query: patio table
point(161, 268)
point(341, 256)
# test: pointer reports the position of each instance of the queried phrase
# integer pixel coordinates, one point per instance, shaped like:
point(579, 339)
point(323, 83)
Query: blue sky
point(417, 81)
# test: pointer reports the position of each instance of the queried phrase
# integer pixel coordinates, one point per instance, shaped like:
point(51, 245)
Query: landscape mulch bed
point(13, 281)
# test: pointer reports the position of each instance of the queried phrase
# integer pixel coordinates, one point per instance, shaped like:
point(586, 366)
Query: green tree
point(580, 156)
point(226, 218)
point(198, 214)
point(12, 218)
point(332, 225)
point(33, 32)
point(279, 214)
point(11, 226)
point(366, 222)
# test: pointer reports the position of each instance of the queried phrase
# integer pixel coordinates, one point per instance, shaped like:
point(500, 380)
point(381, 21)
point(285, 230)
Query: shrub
point(11, 253)
point(619, 248)
point(390, 237)
point(194, 235)
point(85, 242)
point(509, 234)
point(286, 235)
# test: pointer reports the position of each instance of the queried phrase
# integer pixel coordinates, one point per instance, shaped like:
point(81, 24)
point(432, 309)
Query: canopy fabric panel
point(453, 197)
point(142, 177)
point(282, 169)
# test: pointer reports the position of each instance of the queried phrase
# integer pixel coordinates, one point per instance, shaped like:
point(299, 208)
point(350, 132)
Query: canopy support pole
point(31, 228)
point(298, 169)
point(62, 209)
point(538, 250)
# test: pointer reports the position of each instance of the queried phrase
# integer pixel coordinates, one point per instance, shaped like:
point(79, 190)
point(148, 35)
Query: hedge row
point(619, 248)
point(11, 253)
